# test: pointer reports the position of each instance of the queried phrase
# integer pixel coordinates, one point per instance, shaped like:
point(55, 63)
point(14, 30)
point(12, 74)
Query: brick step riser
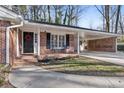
point(25, 60)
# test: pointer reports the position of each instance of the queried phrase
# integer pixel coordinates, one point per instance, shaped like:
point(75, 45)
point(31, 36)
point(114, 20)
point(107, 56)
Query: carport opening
point(102, 45)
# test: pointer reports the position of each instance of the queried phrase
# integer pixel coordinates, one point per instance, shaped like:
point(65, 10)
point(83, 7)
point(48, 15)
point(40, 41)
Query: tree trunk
point(107, 18)
point(121, 24)
point(49, 14)
point(103, 10)
point(65, 17)
point(117, 18)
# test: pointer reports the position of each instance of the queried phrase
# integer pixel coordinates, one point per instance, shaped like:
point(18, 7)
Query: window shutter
point(67, 40)
point(48, 41)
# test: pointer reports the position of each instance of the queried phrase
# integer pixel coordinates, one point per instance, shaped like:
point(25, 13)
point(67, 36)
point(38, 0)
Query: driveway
point(116, 58)
point(37, 77)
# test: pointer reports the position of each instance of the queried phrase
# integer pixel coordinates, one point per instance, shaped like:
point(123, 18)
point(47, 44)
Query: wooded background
point(111, 15)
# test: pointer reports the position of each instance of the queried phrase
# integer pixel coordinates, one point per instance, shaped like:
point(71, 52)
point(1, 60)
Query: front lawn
point(2, 78)
point(84, 66)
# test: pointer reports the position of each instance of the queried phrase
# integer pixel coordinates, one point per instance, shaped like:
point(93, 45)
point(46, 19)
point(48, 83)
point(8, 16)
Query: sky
point(91, 18)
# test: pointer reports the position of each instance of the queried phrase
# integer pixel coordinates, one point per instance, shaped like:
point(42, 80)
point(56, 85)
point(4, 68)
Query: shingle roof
point(8, 9)
point(68, 26)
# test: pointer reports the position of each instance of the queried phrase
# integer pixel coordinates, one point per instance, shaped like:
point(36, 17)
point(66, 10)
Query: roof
point(8, 14)
point(76, 27)
point(8, 9)
point(83, 32)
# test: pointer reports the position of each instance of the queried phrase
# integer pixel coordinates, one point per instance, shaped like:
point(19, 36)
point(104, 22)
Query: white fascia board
point(72, 29)
point(8, 15)
point(7, 11)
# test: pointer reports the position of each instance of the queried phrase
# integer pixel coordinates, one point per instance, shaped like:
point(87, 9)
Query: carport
point(85, 39)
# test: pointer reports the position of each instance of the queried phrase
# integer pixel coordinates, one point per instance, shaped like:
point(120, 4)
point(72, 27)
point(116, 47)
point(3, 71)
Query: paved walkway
point(116, 58)
point(36, 77)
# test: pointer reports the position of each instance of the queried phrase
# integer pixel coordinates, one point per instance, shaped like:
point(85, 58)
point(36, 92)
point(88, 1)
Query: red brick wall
point(2, 45)
point(71, 47)
point(12, 41)
point(71, 40)
point(3, 40)
point(4, 23)
point(44, 50)
point(43, 42)
point(12, 47)
point(107, 44)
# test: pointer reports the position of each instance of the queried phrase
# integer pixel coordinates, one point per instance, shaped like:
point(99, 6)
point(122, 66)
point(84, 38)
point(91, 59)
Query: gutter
point(7, 39)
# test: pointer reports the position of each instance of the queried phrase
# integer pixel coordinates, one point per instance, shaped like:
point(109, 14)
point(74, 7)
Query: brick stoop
point(24, 60)
point(32, 60)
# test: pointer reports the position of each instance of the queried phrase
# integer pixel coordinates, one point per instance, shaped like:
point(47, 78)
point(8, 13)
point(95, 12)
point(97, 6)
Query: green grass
point(85, 66)
point(1, 65)
point(1, 74)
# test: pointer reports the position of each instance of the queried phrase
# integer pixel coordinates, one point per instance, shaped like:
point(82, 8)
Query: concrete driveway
point(36, 77)
point(116, 58)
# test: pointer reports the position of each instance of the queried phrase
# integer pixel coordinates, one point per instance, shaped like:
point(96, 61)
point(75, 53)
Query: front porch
point(42, 41)
point(46, 41)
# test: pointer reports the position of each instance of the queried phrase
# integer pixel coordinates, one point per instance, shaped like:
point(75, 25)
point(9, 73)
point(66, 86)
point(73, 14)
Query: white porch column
point(78, 44)
point(7, 46)
point(17, 43)
point(38, 43)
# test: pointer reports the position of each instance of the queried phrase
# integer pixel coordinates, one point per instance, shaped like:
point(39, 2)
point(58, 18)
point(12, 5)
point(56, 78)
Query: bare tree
point(117, 18)
point(65, 17)
point(60, 14)
point(49, 13)
point(108, 17)
point(121, 24)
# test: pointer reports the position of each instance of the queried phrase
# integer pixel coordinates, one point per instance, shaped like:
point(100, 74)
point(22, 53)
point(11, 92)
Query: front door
point(28, 42)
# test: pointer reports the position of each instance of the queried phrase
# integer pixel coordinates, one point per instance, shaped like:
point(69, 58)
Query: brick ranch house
point(19, 37)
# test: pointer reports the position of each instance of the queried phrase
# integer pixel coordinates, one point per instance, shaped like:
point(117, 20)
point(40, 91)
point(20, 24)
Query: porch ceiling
point(83, 33)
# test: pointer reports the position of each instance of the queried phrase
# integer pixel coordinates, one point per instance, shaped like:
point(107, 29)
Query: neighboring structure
point(18, 37)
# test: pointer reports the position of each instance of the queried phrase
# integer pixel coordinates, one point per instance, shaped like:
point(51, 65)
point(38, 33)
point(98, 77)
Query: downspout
point(7, 39)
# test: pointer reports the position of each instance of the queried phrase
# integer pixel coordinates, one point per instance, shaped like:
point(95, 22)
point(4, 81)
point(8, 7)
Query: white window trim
point(57, 41)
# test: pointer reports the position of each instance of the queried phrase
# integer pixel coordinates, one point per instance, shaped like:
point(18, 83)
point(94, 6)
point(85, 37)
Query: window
point(61, 41)
point(57, 41)
point(48, 41)
point(54, 41)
